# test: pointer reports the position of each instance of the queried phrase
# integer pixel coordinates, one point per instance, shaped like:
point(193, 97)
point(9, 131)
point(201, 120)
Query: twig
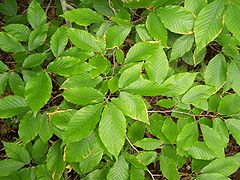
point(114, 62)
point(64, 9)
point(110, 5)
point(48, 6)
point(149, 172)
point(180, 112)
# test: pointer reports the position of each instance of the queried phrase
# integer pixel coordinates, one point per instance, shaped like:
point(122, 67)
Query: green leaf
point(37, 37)
point(216, 71)
point(83, 95)
point(178, 84)
point(142, 32)
point(155, 127)
point(119, 171)
point(82, 123)
point(34, 60)
point(170, 130)
point(168, 168)
point(9, 7)
point(132, 106)
point(42, 172)
point(16, 152)
point(16, 84)
point(176, 19)
point(213, 140)
point(225, 166)
point(198, 96)
point(29, 127)
point(3, 67)
point(149, 144)
point(141, 51)
point(200, 151)
point(187, 137)
point(3, 82)
point(59, 41)
point(212, 176)
point(160, 34)
point(220, 127)
point(113, 84)
point(233, 76)
point(61, 118)
point(68, 65)
point(231, 16)
point(136, 174)
point(229, 104)
point(83, 40)
point(209, 23)
point(147, 157)
point(36, 15)
point(195, 6)
point(233, 126)
point(9, 166)
point(19, 31)
point(136, 131)
point(130, 75)
point(81, 150)
point(116, 35)
point(157, 66)
point(55, 162)
point(181, 46)
point(12, 105)
point(112, 129)
point(45, 132)
point(101, 65)
point(39, 149)
point(38, 91)
point(9, 43)
point(82, 16)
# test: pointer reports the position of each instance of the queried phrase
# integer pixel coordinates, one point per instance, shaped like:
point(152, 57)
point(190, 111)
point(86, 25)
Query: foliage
point(121, 89)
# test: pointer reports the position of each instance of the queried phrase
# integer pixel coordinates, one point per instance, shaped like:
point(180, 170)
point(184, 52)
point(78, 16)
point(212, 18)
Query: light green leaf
point(216, 71)
point(160, 33)
point(59, 41)
point(9, 166)
point(142, 32)
point(195, 6)
point(119, 171)
point(82, 123)
point(9, 43)
point(82, 16)
point(168, 168)
point(141, 51)
point(212, 176)
point(209, 23)
point(20, 31)
point(29, 127)
point(170, 130)
point(83, 95)
point(12, 105)
point(101, 65)
point(3, 67)
point(3, 82)
point(147, 157)
point(61, 118)
point(38, 91)
point(231, 16)
point(37, 37)
point(187, 137)
point(220, 127)
point(36, 15)
point(16, 152)
point(16, 84)
point(34, 60)
point(148, 144)
point(178, 84)
point(200, 151)
point(233, 76)
point(213, 140)
point(39, 149)
point(42, 172)
point(225, 166)
point(130, 75)
point(116, 35)
point(46, 131)
point(68, 65)
point(132, 106)
point(157, 66)
point(229, 104)
point(198, 96)
point(83, 40)
point(55, 162)
point(181, 46)
point(176, 19)
point(136, 174)
point(233, 126)
point(112, 129)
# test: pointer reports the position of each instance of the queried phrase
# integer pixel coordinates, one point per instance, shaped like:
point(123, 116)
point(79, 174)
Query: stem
point(64, 9)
